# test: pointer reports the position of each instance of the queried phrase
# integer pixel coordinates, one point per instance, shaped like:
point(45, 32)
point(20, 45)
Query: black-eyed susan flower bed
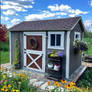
point(64, 86)
point(10, 81)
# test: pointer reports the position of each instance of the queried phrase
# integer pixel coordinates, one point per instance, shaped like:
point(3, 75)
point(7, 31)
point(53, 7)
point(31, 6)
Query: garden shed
point(43, 38)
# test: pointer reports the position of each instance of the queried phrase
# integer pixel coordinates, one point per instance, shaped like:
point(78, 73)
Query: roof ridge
point(53, 19)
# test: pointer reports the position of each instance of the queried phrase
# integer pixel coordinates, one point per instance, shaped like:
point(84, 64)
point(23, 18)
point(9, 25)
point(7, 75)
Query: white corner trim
point(62, 40)
point(10, 46)
point(67, 54)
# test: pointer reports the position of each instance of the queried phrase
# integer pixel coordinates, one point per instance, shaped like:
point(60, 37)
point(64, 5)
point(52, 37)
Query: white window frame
point(62, 40)
point(77, 33)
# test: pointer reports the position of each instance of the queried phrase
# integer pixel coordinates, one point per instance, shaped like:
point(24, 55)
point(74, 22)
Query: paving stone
point(43, 87)
point(32, 81)
point(51, 87)
point(38, 83)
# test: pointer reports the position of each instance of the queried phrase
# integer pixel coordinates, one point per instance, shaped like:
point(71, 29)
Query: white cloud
point(16, 8)
point(9, 12)
point(67, 9)
point(18, 5)
point(7, 18)
point(59, 8)
point(43, 15)
point(15, 21)
point(88, 25)
point(91, 3)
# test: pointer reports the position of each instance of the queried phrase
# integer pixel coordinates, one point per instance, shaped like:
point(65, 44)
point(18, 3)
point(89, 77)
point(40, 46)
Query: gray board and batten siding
point(75, 59)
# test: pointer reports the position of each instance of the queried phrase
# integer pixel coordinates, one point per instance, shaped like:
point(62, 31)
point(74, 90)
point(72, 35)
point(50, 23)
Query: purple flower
point(61, 54)
point(1, 82)
point(49, 52)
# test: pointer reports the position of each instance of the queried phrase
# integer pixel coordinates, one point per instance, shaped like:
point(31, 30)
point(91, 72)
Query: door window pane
point(52, 39)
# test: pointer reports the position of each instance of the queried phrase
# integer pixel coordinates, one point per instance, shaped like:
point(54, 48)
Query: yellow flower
point(55, 83)
point(14, 72)
point(72, 83)
point(4, 76)
point(59, 84)
point(63, 81)
point(5, 89)
point(4, 86)
point(49, 83)
point(2, 89)
point(68, 86)
point(9, 86)
point(15, 90)
point(51, 54)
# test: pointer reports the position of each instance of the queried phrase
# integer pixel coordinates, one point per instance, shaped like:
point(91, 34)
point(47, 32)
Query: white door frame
point(43, 52)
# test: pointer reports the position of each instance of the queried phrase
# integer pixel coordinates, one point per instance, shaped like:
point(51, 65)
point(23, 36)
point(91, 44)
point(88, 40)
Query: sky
point(16, 11)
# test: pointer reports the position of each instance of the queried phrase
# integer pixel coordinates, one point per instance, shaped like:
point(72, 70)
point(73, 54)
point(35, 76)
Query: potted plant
point(50, 65)
point(57, 67)
point(16, 62)
point(80, 46)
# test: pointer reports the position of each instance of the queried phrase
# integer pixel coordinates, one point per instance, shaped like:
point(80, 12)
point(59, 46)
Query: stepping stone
point(38, 83)
point(32, 81)
point(43, 87)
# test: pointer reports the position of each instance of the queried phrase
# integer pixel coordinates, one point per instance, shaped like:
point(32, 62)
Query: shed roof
point(46, 25)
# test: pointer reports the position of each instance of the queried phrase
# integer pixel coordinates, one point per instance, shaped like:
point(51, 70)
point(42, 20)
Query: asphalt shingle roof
point(55, 24)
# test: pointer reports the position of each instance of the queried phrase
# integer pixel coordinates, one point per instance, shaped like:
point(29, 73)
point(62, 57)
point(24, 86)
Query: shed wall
point(75, 59)
point(64, 50)
point(19, 36)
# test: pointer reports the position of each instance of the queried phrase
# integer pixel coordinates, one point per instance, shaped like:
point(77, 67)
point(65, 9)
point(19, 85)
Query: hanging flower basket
point(80, 46)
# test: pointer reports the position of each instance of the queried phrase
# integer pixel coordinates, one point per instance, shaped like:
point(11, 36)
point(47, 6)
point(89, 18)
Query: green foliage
point(14, 81)
point(88, 35)
point(86, 80)
point(4, 57)
point(16, 57)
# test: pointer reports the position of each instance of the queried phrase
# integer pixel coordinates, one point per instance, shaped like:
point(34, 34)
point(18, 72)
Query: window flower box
point(56, 54)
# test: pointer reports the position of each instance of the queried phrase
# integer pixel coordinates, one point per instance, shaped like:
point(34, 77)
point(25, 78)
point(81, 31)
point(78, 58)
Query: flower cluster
point(12, 81)
point(56, 54)
point(63, 86)
point(81, 45)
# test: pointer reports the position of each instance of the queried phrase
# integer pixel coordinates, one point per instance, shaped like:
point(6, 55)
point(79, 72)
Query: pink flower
point(1, 81)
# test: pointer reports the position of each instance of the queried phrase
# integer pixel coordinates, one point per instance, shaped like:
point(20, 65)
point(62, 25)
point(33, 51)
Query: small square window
point(56, 40)
point(77, 36)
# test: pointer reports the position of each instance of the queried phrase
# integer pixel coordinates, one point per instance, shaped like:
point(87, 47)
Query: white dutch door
point(34, 50)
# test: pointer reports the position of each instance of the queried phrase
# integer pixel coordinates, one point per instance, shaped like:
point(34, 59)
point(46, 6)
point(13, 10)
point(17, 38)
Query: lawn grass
point(4, 57)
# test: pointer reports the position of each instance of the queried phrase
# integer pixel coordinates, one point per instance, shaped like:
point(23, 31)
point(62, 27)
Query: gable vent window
point(56, 40)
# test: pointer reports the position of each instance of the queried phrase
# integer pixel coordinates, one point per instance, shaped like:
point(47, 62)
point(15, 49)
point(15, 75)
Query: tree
point(3, 33)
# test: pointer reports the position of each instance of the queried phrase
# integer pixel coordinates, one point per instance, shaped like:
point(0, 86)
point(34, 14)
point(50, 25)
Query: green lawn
point(4, 53)
point(89, 41)
point(4, 57)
